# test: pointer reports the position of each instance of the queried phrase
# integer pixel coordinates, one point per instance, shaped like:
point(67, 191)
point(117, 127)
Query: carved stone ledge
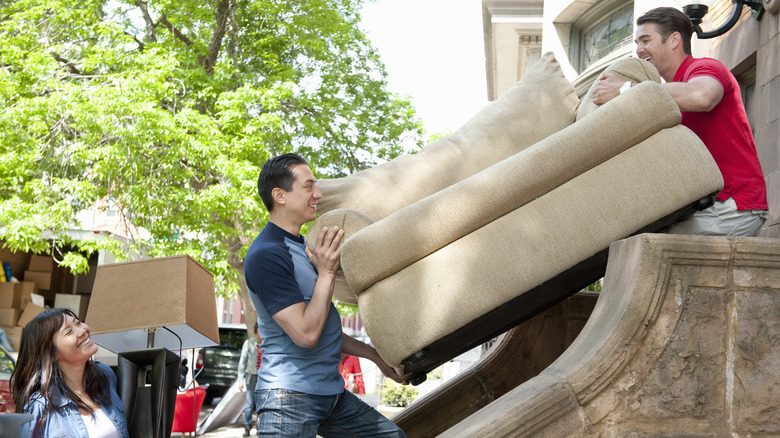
point(684, 340)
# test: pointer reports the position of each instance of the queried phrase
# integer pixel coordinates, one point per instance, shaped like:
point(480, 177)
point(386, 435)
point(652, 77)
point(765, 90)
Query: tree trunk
point(250, 315)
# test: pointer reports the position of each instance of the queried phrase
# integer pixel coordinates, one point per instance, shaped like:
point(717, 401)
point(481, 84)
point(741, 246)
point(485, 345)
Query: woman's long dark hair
point(37, 369)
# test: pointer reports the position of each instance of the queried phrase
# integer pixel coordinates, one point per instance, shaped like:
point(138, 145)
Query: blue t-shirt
point(279, 274)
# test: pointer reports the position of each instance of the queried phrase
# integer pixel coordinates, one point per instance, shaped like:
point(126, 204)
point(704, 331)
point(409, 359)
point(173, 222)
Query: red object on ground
point(350, 368)
point(185, 417)
point(6, 402)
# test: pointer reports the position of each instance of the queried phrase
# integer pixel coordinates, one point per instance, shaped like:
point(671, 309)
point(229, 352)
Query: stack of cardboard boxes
point(20, 302)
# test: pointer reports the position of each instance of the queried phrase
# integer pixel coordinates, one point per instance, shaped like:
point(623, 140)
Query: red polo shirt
point(726, 133)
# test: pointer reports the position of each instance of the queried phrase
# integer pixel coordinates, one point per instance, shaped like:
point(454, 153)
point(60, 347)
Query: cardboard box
point(9, 316)
point(41, 263)
point(38, 300)
point(11, 295)
point(14, 335)
point(76, 303)
point(41, 279)
point(28, 290)
point(30, 312)
point(19, 261)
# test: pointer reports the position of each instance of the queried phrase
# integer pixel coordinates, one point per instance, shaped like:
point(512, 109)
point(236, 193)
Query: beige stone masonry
point(684, 341)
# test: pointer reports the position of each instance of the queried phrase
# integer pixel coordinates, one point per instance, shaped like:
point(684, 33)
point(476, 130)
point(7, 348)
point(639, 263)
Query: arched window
point(614, 32)
point(603, 31)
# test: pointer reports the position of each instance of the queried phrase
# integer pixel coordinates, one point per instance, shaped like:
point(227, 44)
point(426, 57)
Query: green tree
point(168, 108)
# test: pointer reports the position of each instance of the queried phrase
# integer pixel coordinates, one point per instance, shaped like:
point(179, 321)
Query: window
point(747, 85)
point(602, 31)
point(614, 32)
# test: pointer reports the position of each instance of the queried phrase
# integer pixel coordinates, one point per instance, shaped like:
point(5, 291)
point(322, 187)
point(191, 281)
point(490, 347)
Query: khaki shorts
point(722, 219)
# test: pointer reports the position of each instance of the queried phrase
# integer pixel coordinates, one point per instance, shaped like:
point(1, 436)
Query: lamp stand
point(149, 408)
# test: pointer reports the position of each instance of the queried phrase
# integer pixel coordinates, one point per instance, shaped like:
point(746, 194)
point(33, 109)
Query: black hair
point(277, 172)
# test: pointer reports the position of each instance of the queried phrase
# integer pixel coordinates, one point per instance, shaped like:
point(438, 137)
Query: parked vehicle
point(7, 364)
point(217, 366)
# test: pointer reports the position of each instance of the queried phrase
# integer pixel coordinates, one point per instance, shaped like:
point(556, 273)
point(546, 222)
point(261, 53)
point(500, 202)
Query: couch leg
point(418, 378)
point(705, 202)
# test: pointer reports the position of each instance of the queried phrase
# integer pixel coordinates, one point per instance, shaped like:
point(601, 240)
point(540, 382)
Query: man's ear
point(676, 40)
point(278, 196)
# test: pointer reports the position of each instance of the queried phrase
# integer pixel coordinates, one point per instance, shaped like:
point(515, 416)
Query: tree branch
point(151, 34)
point(223, 14)
point(180, 36)
point(141, 45)
point(232, 48)
point(71, 68)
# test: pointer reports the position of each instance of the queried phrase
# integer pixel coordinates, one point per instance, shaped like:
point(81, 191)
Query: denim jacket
point(64, 420)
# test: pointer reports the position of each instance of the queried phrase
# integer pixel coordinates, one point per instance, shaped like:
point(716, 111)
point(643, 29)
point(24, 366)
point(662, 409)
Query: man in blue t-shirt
point(299, 389)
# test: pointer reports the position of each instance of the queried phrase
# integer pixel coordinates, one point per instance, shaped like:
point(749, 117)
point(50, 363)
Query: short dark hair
point(668, 21)
point(277, 172)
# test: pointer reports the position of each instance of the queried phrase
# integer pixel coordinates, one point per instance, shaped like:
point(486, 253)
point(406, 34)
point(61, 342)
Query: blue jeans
point(249, 405)
point(284, 413)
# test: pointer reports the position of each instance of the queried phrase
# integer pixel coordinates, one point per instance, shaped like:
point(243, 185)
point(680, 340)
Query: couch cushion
point(542, 103)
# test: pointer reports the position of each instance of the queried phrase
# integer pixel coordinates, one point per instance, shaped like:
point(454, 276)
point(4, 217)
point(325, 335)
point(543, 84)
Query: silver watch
point(626, 85)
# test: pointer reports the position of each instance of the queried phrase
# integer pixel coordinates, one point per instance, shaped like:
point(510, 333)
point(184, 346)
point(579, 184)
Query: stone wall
point(756, 44)
point(684, 341)
point(767, 120)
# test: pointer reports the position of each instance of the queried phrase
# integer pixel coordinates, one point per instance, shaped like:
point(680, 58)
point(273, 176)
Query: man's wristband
point(626, 85)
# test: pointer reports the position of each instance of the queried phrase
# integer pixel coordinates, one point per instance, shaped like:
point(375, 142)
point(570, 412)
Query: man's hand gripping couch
point(512, 213)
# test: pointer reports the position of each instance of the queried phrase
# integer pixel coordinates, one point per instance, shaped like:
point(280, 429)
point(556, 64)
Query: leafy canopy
point(166, 110)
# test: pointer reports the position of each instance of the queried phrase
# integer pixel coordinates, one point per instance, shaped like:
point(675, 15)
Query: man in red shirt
point(710, 100)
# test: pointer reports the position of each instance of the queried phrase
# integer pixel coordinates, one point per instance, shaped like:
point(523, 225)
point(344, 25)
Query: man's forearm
point(700, 94)
point(353, 347)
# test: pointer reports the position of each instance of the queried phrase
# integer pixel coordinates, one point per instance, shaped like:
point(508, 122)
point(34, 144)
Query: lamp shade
point(173, 292)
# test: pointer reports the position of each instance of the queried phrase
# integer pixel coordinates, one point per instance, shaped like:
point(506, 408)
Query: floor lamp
point(142, 311)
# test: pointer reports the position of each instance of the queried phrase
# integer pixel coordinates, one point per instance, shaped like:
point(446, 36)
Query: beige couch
point(472, 235)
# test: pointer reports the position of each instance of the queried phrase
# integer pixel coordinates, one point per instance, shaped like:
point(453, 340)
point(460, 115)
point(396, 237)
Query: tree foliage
point(167, 109)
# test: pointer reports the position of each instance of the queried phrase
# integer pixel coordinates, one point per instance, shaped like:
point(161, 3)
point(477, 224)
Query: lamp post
point(698, 9)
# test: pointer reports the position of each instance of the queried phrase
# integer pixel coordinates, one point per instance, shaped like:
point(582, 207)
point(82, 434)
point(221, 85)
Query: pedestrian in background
point(251, 356)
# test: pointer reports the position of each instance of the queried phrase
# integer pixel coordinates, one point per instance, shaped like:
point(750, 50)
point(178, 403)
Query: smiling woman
point(57, 382)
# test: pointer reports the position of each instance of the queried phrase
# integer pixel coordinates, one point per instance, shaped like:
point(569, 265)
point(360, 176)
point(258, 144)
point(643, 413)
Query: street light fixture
point(697, 10)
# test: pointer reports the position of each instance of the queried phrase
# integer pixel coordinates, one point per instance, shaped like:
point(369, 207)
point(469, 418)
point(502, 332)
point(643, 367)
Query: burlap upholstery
point(541, 103)
point(627, 69)
point(432, 297)
point(350, 221)
point(419, 229)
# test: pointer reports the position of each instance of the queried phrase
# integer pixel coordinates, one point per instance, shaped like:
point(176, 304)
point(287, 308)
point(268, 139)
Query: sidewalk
point(231, 431)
